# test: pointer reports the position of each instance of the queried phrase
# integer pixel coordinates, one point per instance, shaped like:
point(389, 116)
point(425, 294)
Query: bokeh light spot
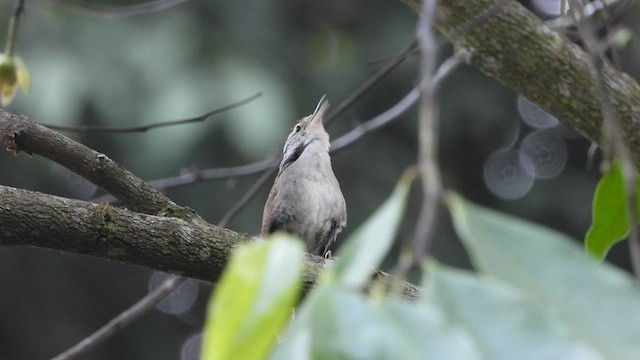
point(547, 152)
point(180, 300)
point(534, 116)
point(547, 7)
point(508, 174)
point(191, 348)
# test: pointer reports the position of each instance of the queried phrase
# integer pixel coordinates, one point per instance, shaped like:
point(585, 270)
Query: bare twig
point(14, 23)
point(371, 82)
point(193, 176)
point(144, 128)
point(125, 318)
point(235, 209)
point(427, 143)
point(396, 110)
point(613, 137)
point(428, 136)
point(119, 12)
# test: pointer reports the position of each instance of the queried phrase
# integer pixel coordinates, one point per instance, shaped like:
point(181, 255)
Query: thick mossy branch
point(513, 45)
point(190, 248)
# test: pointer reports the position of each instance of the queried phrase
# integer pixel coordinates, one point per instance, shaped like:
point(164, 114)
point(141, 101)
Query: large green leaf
point(596, 301)
point(369, 244)
point(610, 213)
point(338, 323)
point(254, 299)
point(504, 322)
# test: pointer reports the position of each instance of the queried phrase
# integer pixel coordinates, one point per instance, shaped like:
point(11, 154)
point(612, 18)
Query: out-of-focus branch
point(14, 23)
point(371, 82)
point(119, 12)
point(396, 110)
point(123, 319)
point(427, 135)
point(144, 128)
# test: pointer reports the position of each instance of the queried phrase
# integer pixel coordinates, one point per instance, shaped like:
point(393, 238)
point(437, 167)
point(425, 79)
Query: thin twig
point(235, 209)
point(14, 23)
point(371, 82)
point(125, 318)
point(119, 12)
point(193, 176)
point(144, 128)
point(427, 144)
point(396, 110)
point(428, 136)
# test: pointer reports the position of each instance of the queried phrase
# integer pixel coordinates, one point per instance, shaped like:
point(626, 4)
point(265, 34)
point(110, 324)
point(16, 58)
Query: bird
point(306, 199)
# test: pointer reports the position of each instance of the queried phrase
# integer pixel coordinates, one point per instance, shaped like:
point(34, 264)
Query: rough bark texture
point(509, 43)
point(193, 249)
point(188, 248)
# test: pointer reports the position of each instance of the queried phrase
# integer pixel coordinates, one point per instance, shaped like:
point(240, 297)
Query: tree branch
point(195, 249)
point(22, 134)
point(520, 50)
point(187, 248)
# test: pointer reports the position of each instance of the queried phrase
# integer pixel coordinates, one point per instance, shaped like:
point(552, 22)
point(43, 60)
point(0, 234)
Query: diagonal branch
point(187, 248)
point(520, 50)
point(21, 134)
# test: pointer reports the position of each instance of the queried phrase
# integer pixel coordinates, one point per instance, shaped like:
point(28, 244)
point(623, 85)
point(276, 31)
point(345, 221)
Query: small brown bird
point(306, 199)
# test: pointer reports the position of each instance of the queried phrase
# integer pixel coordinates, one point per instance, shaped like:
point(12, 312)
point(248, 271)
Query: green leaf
point(504, 322)
point(336, 323)
point(596, 301)
point(369, 244)
point(610, 213)
point(254, 299)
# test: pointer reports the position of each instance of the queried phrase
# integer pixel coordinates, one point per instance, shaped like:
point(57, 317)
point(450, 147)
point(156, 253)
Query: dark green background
point(201, 55)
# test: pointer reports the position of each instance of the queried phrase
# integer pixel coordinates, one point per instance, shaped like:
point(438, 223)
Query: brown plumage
point(306, 199)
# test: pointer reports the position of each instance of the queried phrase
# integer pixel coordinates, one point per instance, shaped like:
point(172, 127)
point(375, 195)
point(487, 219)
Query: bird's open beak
point(318, 115)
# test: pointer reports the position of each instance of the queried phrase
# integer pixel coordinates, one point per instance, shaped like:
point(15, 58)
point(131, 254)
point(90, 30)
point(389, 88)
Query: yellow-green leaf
point(610, 213)
point(254, 299)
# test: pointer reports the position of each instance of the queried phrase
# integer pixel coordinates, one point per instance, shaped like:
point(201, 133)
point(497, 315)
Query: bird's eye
point(298, 128)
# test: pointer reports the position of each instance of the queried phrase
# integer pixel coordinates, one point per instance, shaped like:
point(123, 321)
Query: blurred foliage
point(201, 55)
point(587, 304)
point(534, 299)
point(254, 299)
